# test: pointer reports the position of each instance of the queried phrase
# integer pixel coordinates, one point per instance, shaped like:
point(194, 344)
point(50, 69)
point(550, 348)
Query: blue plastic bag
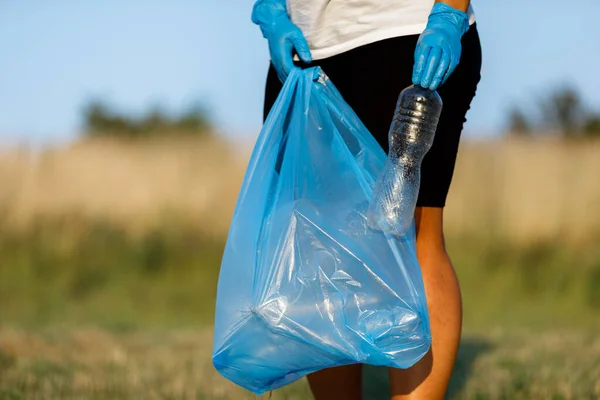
point(305, 284)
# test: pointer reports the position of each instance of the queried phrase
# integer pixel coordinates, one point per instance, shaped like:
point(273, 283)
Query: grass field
point(71, 271)
point(147, 302)
point(96, 364)
point(109, 257)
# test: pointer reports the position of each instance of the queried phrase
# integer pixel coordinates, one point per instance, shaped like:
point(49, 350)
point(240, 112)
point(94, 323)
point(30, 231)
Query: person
point(371, 50)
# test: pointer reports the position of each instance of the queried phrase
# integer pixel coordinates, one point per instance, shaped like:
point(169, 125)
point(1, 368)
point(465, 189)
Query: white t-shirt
point(335, 26)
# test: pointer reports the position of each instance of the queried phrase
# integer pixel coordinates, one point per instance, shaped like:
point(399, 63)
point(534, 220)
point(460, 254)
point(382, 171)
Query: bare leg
point(429, 378)
point(338, 383)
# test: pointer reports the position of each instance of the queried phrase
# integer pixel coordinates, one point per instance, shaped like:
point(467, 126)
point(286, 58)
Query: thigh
point(371, 77)
point(457, 94)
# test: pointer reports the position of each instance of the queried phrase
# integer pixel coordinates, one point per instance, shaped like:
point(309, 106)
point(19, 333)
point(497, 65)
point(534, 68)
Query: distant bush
point(101, 120)
point(563, 111)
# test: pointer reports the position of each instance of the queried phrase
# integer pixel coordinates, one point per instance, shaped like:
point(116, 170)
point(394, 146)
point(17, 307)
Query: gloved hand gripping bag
point(305, 283)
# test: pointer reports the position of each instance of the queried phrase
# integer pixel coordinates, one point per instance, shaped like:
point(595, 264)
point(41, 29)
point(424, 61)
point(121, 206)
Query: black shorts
point(371, 77)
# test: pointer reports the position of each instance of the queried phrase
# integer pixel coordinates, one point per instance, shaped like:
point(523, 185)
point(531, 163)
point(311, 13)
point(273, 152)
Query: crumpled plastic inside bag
point(305, 283)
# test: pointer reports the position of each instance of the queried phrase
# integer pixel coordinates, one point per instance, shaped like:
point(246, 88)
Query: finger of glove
point(283, 60)
point(453, 62)
point(442, 70)
point(276, 51)
point(287, 60)
point(431, 66)
point(302, 48)
point(421, 55)
point(277, 64)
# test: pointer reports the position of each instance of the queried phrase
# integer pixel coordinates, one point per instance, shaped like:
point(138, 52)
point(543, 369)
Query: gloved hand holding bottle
point(283, 36)
point(439, 47)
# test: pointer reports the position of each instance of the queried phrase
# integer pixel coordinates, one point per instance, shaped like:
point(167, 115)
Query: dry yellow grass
point(528, 190)
point(131, 184)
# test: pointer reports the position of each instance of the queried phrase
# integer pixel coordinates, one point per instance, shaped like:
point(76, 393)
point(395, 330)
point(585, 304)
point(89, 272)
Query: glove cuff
point(443, 14)
point(267, 13)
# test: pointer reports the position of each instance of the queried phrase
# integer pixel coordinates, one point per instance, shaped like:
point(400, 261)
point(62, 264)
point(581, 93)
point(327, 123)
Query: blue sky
point(56, 54)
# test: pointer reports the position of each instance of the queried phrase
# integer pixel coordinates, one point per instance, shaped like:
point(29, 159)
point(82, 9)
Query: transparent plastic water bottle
point(392, 205)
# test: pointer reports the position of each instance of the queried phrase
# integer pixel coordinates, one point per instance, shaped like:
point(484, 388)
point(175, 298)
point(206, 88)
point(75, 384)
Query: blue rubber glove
point(284, 37)
point(438, 49)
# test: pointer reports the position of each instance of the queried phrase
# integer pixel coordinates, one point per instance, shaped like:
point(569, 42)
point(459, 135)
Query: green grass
point(71, 272)
point(75, 272)
point(540, 286)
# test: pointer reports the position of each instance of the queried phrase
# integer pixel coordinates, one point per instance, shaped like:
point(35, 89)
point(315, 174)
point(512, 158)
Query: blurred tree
point(518, 123)
point(100, 120)
point(563, 110)
point(154, 121)
point(592, 126)
point(194, 118)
